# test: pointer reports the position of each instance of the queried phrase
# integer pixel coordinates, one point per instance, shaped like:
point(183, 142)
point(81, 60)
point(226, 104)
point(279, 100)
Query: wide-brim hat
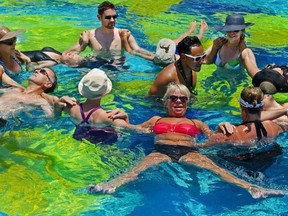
point(272, 76)
point(6, 34)
point(234, 22)
point(94, 85)
point(165, 52)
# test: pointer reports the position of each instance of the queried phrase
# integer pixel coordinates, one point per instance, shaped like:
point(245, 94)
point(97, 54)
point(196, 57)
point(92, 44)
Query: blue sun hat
point(234, 22)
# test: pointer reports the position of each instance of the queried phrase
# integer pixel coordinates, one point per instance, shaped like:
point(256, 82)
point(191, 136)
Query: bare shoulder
point(169, 71)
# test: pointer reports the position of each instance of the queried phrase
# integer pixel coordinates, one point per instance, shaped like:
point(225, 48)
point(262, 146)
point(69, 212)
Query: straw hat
point(234, 22)
point(94, 85)
point(6, 34)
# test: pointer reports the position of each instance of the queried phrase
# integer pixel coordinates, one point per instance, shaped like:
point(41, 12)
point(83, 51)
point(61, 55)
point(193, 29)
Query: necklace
point(180, 68)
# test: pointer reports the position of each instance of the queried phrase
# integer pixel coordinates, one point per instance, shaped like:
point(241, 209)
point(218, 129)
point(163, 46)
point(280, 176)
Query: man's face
point(108, 18)
point(43, 76)
point(195, 58)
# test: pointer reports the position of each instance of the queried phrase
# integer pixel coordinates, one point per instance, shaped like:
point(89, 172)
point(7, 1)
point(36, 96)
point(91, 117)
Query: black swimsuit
point(39, 55)
point(260, 129)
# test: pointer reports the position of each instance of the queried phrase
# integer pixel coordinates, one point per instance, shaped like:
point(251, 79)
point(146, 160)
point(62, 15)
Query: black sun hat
point(234, 22)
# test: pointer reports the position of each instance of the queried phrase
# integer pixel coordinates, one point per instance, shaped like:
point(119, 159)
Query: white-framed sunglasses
point(196, 58)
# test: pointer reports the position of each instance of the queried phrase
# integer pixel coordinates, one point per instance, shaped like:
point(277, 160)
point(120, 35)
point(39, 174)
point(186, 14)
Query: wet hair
point(252, 99)
point(105, 6)
point(173, 87)
point(187, 43)
point(54, 83)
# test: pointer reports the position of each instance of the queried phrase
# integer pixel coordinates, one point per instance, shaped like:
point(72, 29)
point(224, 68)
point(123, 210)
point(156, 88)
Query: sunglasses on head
point(196, 58)
point(9, 42)
point(44, 72)
point(109, 17)
point(174, 98)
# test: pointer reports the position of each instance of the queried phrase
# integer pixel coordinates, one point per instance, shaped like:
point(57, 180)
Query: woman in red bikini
point(175, 142)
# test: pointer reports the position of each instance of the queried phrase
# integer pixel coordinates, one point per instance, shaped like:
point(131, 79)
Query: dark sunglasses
point(44, 72)
point(196, 58)
point(109, 17)
point(9, 42)
point(236, 31)
point(174, 98)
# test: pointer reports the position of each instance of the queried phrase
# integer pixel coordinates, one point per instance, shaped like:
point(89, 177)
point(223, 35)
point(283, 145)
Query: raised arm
point(82, 43)
point(217, 44)
point(190, 30)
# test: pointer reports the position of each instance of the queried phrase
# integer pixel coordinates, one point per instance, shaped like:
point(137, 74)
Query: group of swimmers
point(182, 58)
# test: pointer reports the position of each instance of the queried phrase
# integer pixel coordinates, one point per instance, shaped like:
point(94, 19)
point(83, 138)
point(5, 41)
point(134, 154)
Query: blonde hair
point(173, 87)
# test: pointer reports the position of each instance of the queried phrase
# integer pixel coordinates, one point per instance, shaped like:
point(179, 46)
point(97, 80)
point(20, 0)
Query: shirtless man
point(18, 99)
point(184, 70)
point(105, 40)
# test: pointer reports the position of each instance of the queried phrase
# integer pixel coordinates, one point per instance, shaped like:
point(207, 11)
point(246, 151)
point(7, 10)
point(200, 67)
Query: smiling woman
point(232, 53)
point(10, 65)
point(175, 142)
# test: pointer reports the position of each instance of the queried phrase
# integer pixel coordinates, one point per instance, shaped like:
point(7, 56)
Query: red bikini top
point(165, 127)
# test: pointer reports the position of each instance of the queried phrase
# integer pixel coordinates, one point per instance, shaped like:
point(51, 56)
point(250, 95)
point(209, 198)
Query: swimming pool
point(44, 171)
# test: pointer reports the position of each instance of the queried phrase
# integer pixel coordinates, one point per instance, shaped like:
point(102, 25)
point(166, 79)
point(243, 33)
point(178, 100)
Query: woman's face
point(8, 45)
point(177, 104)
point(234, 35)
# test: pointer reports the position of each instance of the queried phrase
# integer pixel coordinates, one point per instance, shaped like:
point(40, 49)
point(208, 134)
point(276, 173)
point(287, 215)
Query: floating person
point(175, 142)
point(19, 99)
point(272, 79)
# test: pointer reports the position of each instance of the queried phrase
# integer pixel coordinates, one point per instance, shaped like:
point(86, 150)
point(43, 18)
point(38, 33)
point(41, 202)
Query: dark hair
point(54, 83)
point(105, 6)
point(185, 45)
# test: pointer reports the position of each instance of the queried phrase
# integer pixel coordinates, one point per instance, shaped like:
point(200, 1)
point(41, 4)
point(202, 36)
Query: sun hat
point(95, 84)
point(234, 22)
point(6, 34)
point(268, 77)
point(165, 52)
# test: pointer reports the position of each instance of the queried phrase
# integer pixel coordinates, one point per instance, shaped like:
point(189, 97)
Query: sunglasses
point(9, 42)
point(44, 72)
point(236, 31)
point(109, 17)
point(197, 58)
point(174, 98)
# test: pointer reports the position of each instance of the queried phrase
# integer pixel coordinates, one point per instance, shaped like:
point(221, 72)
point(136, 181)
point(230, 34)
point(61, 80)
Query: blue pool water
point(44, 171)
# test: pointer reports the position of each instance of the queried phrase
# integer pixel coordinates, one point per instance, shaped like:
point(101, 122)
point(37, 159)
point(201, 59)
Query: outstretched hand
point(117, 114)
point(226, 128)
point(66, 100)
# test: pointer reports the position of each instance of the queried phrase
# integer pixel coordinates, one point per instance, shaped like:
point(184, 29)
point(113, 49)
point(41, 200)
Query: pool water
point(44, 171)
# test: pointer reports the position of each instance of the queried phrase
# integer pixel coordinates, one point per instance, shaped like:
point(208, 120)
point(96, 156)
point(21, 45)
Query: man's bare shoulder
point(169, 71)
